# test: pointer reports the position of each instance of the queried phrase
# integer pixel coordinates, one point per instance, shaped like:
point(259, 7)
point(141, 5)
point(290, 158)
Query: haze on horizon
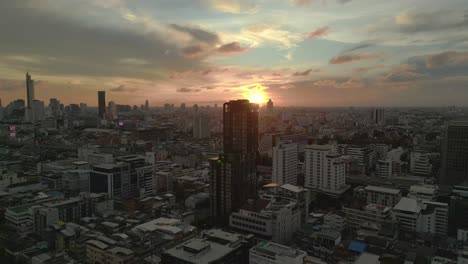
point(296, 52)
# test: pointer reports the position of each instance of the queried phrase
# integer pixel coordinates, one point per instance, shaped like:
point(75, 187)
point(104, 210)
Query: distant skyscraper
point(112, 110)
point(270, 106)
point(29, 90)
point(378, 116)
point(201, 126)
point(285, 164)
point(233, 173)
point(182, 106)
point(101, 104)
point(455, 154)
point(146, 105)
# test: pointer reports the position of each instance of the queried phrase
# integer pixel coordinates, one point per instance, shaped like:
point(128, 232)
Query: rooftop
point(273, 250)
point(371, 188)
point(408, 205)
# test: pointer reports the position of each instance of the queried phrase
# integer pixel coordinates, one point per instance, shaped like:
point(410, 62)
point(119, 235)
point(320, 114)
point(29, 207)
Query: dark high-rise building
point(455, 154)
point(146, 105)
point(29, 90)
point(233, 173)
point(378, 116)
point(270, 106)
point(101, 104)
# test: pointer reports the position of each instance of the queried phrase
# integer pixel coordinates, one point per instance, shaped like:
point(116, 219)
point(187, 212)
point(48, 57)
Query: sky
point(296, 52)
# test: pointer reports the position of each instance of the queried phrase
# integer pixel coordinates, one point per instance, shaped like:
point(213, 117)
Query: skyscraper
point(233, 174)
point(29, 90)
point(146, 105)
point(101, 104)
point(455, 154)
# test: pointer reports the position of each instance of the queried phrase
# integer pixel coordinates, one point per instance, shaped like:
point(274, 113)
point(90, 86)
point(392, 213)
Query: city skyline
point(296, 52)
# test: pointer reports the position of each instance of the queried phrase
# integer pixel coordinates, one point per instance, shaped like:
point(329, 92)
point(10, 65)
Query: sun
point(257, 97)
point(255, 93)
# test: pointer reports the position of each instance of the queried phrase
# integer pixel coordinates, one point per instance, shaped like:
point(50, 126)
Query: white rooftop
point(408, 205)
point(380, 189)
point(292, 188)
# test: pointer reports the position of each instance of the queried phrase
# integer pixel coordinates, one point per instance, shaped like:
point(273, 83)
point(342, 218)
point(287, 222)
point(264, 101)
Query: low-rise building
point(272, 253)
point(214, 246)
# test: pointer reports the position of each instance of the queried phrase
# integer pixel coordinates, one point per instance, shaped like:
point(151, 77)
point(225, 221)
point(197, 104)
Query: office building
point(285, 159)
point(458, 209)
point(325, 169)
point(146, 105)
point(455, 154)
point(214, 246)
point(272, 253)
point(420, 164)
point(101, 104)
point(201, 126)
point(233, 174)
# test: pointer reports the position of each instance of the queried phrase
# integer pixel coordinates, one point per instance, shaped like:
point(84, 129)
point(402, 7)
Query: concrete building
point(276, 220)
point(420, 164)
point(425, 217)
point(372, 213)
point(201, 126)
point(378, 195)
point(325, 169)
point(98, 252)
point(455, 154)
point(285, 159)
point(423, 192)
point(214, 246)
point(384, 168)
point(272, 253)
point(378, 116)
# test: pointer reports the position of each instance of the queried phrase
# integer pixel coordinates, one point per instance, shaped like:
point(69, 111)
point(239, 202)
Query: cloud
point(303, 73)
point(79, 45)
point(343, 1)
point(348, 58)
point(194, 51)
point(234, 6)
point(301, 2)
point(448, 58)
point(359, 46)
point(318, 33)
point(271, 32)
point(231, 48)
point(198, 33)
point(412, 22)
point(133, 61)
point(10, 85)
point(123, 89)
point(188, 90)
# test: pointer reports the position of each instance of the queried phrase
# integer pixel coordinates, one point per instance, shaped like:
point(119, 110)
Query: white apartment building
point(272, 253)
point(423, 192)
point(276, 220)
point(285, 159)
point(378, 195)
point(325, 169)
point(426, 217)
point(372, 213)
point(384, 168)
point(420, 164)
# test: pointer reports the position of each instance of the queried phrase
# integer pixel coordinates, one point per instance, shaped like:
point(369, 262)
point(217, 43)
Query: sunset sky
point(297, 52)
